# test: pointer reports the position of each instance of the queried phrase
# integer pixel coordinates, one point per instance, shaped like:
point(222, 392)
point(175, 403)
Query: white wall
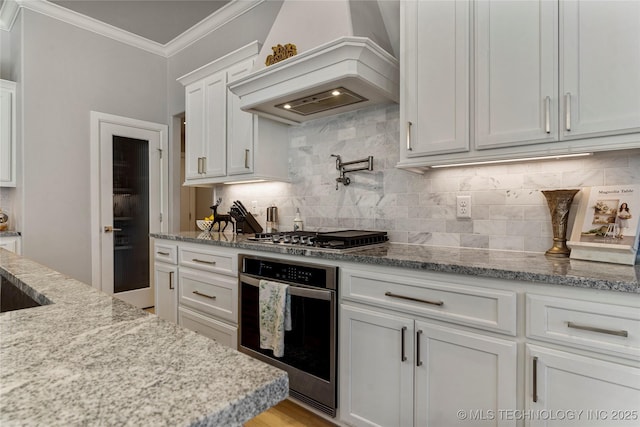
point(67, 73)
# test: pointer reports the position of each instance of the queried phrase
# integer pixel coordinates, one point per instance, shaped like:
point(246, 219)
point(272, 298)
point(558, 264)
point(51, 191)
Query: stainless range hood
point(340, 65)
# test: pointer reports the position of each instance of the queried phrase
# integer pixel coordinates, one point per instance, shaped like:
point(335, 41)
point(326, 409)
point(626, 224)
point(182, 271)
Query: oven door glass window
point(307, 346)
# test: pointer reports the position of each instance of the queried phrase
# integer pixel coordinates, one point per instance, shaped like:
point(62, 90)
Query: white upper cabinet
point(239, 126)
point(546, 78)
point(7, 134)
point(516, 78)
point(224, 143)
point(600, 68)
point(435, 77)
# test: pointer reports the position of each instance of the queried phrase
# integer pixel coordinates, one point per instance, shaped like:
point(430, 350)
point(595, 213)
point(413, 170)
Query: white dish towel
point(274, 303)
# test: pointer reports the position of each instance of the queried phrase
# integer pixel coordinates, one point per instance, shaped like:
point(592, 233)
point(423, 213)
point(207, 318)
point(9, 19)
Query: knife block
point(248, 225)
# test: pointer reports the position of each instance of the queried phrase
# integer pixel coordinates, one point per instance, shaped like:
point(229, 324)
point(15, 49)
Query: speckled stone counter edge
point(507, 265)
point(78, 313)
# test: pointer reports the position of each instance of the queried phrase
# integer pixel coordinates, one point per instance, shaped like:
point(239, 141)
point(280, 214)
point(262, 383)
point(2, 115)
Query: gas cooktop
point(335, 240)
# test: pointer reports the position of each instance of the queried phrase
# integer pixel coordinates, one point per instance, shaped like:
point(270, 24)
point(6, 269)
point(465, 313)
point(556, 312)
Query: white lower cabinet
point(208, 291)
point(209, 327)
point(567, 389)
point(166, 291)
point(11, 243)
point(401, 371)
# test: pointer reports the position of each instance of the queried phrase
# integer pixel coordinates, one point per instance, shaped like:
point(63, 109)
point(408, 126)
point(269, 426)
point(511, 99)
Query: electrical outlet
point(463, 206)
point(254, 207)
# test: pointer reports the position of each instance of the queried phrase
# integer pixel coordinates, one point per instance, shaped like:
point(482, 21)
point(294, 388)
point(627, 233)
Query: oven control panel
point(302, 274)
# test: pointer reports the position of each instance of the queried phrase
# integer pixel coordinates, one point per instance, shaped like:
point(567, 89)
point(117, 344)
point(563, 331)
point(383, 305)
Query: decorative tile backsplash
point(507, 209)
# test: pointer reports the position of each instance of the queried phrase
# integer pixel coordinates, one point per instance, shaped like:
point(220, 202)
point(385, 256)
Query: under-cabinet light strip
point(524, 159)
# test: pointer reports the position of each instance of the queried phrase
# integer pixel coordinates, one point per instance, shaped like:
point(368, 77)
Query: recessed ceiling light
point(335, 93)
point(287, 106)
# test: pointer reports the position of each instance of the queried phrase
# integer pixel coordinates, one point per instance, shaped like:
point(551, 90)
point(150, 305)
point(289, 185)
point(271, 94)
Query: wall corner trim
point(224, 15)
point(8, 14)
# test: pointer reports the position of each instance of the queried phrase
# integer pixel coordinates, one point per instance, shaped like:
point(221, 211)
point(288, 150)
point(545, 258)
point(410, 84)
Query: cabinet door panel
point(240, 127)
point(194, 129)
point(601, 67)
point(166, 291)
point(459, 370)
point(376, 385)
point(436, 77)
point(515, 73)
point(603, 391)
point(215, 129)
point(7, 138)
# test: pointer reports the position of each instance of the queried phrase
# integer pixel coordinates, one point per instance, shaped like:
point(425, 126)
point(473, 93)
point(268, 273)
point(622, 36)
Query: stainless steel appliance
point(333, 240)
point(310, 351)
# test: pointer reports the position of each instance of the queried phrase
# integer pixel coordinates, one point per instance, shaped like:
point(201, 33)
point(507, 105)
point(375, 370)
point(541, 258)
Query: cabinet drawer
point(204, 259)
point(484, 308)
point(607, 328)
point(166, 253)
point(209, 293)
point(211, 328)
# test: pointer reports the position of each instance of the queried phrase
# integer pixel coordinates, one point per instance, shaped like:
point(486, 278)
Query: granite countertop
point(526, 266)
point(7, 233)
point(90, 359)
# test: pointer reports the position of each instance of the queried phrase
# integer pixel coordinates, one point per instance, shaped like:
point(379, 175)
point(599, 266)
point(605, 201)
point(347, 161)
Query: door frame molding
point(97, 119)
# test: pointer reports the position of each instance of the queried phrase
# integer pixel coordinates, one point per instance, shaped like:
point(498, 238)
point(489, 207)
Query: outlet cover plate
point(463, 206)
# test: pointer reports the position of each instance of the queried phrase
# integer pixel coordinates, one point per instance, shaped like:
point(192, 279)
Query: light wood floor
point(284, 414)
point(288, 414)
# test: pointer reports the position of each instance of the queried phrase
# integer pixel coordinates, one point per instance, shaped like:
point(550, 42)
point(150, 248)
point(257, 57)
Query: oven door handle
point(298, 291)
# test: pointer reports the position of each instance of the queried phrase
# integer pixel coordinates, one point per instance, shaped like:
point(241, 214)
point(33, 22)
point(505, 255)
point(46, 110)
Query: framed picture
point(606, 224)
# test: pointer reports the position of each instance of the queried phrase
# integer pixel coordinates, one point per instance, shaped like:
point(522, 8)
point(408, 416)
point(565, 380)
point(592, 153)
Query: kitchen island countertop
point(510, 265)
point(90, 359)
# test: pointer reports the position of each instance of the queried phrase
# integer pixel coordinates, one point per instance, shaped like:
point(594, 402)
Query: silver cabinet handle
point(535, 379)
point(392, 295)
point(409, 148)
point(246, 158)
point(199, 164)
point(204, 295)
point(567, 111)
point(403, 356)
point(418, 359)
point(201, 261)
point(547, 114)
point(163, 253)
point(620, 333)
point(171, 280)
point(111, 229)
point(204, 165)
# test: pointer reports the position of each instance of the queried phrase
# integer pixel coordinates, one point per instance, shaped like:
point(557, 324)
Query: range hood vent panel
point(356, 64)
point(319, 102)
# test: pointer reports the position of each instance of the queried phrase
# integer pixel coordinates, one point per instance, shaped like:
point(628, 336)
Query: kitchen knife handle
point(403, 356)
point(246, 158)
point(409, 148)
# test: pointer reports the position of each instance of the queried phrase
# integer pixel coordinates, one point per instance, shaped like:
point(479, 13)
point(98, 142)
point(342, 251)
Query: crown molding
point(222, 16)
point(8, 14)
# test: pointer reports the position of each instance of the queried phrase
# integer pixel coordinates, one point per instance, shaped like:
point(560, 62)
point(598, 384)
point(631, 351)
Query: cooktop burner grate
point(344, 239)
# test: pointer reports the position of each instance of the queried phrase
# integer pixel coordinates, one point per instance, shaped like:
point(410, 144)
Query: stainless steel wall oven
point(310, 352)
